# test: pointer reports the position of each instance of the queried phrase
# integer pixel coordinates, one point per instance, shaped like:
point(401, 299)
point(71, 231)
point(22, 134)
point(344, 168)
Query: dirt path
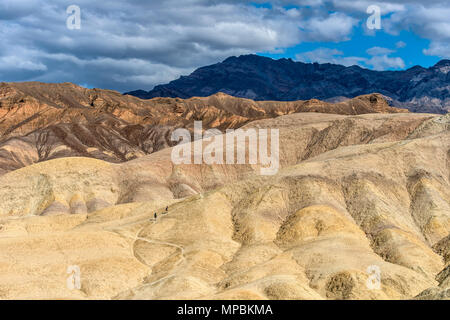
point(178, 247)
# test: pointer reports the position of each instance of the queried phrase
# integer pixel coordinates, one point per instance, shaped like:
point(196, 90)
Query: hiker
point(167, 211)
point(156, 215)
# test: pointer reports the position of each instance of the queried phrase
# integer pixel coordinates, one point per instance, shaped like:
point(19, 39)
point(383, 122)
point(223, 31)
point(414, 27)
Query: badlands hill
point(353, 192)
point(40, 121)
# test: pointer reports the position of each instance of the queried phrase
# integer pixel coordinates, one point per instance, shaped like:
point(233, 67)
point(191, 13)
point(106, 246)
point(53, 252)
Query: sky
point(136, 44)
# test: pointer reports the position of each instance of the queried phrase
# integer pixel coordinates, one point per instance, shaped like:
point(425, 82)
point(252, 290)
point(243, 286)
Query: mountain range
point(261, 78)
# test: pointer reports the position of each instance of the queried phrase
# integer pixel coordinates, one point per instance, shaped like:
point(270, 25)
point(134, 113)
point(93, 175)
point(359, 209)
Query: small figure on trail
point(156, 215)
point(167, 211)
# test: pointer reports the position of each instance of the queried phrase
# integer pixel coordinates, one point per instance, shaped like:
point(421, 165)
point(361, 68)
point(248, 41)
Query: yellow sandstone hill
point(353, 192)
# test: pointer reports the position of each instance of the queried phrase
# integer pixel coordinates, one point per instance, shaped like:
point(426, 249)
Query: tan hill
point(353, 192)
point(40, 122)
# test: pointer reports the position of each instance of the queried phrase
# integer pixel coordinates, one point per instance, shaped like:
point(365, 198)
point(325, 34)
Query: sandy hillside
point(353, 191)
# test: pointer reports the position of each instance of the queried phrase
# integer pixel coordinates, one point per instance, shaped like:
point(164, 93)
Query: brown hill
point(40, 121)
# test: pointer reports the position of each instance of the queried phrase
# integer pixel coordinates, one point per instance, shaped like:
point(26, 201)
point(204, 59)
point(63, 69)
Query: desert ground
point(360, 185)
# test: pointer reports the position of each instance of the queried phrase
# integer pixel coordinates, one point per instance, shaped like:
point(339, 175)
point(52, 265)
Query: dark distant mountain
point(260, 78)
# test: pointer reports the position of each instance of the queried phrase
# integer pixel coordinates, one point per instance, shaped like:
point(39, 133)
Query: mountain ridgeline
point(260, 78)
